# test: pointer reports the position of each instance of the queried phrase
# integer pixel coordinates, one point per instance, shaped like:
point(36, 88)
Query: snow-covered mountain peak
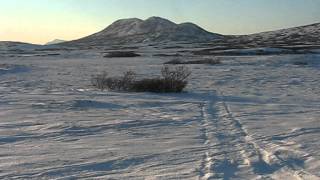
point(153, 29)
point(159, 20)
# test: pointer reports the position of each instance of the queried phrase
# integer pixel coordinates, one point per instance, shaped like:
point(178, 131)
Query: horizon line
point(264, 31)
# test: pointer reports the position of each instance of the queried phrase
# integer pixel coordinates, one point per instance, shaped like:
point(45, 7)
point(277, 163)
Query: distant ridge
point(56, 41)
point(302, 35)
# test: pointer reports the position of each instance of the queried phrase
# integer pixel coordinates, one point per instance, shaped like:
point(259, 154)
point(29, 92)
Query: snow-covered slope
point(297, 40)
point(311, 31)
point(303, 35)
point(56, 41)
point(154, 29)
point(17, 46)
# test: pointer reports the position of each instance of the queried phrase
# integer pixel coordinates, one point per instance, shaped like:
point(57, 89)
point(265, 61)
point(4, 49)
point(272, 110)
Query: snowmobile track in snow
point(233, 153)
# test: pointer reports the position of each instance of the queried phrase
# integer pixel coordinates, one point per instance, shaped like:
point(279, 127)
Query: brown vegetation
point(121, 54)
point(205, 61)
point(173, 79)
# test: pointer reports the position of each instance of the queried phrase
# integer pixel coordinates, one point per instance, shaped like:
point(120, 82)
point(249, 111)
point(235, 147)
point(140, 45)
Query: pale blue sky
point(39, 21)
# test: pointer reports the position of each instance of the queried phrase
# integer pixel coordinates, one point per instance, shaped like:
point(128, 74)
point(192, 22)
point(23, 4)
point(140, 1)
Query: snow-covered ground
point(254, 117)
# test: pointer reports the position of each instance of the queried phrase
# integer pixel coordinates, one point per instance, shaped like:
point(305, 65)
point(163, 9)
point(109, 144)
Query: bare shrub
point(99, 81)
point(300, 63)
point(167, 55)
point(174, 79)
point(175, 61)
point(178, 73)
point(121, 54)
point(123, 83)
point(205, 61)
point(149, 85)
point(126, 81)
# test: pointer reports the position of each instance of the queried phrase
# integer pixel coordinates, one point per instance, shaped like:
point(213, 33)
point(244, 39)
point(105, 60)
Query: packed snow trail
point(233, 153)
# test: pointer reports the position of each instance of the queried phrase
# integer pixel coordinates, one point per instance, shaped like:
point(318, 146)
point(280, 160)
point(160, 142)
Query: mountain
point(157, 30)
point(154, 29)
point(56, 41)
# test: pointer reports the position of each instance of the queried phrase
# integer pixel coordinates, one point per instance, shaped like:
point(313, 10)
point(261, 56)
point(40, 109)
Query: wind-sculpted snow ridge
point(243, 119)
